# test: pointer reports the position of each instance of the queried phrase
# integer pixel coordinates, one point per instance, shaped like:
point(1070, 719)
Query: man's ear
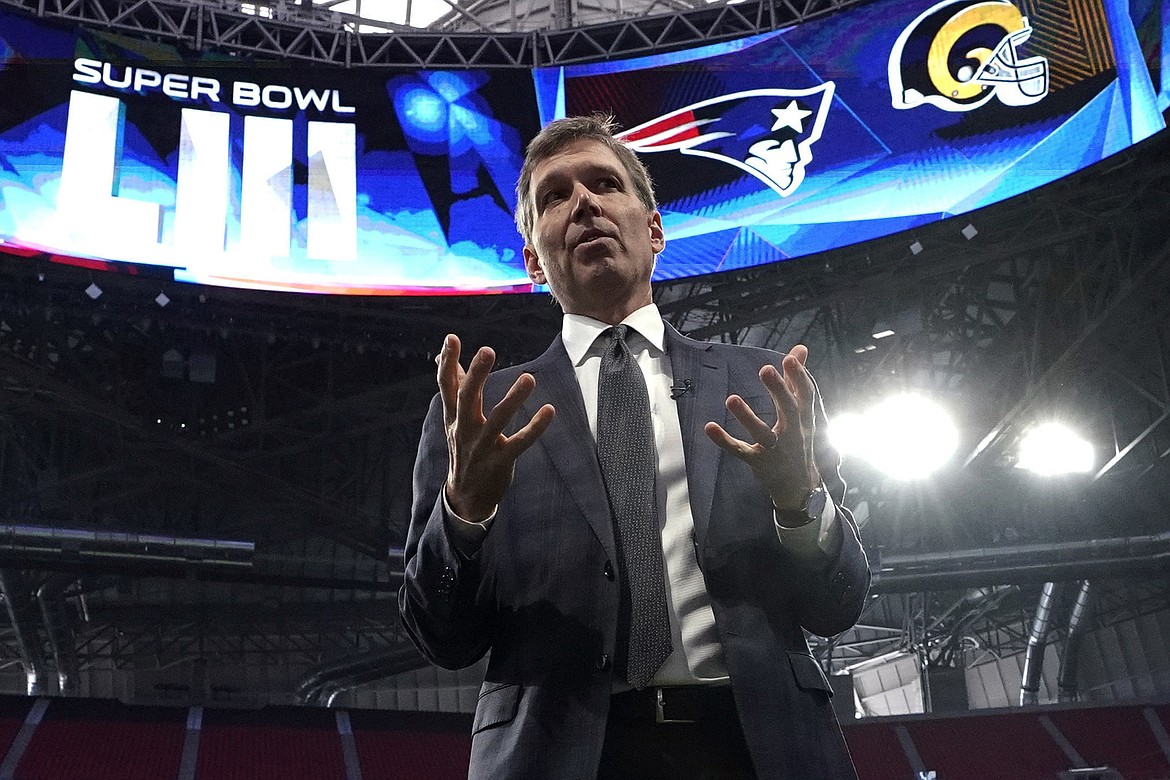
point(533, 267)
point(657, 234)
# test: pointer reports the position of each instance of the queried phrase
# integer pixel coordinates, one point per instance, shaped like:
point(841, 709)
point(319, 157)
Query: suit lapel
point(707, 372)
point(567, 441)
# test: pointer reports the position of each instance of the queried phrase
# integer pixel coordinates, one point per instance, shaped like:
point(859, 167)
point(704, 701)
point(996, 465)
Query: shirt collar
point(579, 332)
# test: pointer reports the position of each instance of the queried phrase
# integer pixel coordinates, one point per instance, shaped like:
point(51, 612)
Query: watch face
point(816, 503)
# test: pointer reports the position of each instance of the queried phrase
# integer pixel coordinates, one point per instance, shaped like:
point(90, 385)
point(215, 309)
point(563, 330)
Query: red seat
point(412, 746)
point(13, 710)
point(81, 739)
point(1004, 746)
point(1119, 737)
point(877, 753)
point(270, 744)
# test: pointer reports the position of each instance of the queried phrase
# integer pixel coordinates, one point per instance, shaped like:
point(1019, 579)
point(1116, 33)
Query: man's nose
point(584, 202)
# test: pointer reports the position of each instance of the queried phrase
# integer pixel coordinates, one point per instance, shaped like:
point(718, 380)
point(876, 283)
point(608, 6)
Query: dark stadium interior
point(203, 503)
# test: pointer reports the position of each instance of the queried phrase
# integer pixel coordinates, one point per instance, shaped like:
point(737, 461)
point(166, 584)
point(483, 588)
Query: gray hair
point(555, 137)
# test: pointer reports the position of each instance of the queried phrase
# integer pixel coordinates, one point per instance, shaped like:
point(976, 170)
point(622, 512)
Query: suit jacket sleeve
point(445, 602)
point(829, 600)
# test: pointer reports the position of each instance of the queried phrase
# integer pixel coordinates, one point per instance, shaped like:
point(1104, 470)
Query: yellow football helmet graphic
point(959, 54)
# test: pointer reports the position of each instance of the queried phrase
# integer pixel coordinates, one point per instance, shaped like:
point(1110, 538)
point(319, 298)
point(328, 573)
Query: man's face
point(593, 242)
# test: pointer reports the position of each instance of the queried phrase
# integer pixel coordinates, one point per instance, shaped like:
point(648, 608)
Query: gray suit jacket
point(540, 595)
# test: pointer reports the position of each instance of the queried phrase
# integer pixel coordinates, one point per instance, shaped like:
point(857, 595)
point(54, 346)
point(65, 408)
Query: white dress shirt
point(697, 658)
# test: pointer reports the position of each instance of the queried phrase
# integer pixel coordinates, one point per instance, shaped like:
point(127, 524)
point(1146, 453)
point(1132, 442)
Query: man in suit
point(613, 656)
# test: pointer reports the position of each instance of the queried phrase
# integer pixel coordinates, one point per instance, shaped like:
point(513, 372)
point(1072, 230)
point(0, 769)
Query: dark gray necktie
point(625, 448)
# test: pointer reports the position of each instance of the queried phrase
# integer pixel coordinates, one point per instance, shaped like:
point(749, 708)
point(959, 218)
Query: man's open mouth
point(590, 236)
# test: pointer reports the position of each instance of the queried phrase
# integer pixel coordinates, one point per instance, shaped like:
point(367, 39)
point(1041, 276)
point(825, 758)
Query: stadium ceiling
point(205, 499)
point(477, 33)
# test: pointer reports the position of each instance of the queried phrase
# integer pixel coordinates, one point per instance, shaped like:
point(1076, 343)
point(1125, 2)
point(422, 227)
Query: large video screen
point(118, 153)
point(869, 122)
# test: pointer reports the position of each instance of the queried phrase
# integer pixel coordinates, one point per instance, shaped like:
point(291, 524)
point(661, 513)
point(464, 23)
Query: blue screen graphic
point(924, 111)
point(887, 116)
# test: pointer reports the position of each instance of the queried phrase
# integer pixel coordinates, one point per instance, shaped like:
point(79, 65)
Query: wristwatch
point(813, 508)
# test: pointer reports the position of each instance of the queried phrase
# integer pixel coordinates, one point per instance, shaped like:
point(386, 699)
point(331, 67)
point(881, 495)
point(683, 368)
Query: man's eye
point(610, 182)
point(550, 197)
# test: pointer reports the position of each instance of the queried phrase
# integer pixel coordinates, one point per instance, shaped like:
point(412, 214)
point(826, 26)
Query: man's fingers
point(796, 373)
point(799, 381)
point(470, 398)
point(716, 433)
point(499, 417)
point(449, 375)
point(781, 390)
point(526, 436)
point(759, 430)
point(721, 437)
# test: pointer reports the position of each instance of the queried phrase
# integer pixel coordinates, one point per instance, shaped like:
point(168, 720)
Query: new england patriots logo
point(768, 133)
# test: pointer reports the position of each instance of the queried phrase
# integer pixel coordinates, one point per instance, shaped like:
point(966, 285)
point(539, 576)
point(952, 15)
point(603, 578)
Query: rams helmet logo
point(959, 54)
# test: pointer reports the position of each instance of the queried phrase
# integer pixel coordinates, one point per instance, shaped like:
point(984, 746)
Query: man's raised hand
point(481, 458)
point(781, 456)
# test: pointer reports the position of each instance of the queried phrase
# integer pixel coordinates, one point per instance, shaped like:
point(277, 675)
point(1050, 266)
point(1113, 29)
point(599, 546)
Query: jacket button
point(609, 575)
point(603, 662)
point(446, 583)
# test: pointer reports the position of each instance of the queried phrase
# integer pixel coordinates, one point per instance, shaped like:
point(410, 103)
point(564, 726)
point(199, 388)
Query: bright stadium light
point(906, 436)
point(848, 434)
point(1053, 448)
